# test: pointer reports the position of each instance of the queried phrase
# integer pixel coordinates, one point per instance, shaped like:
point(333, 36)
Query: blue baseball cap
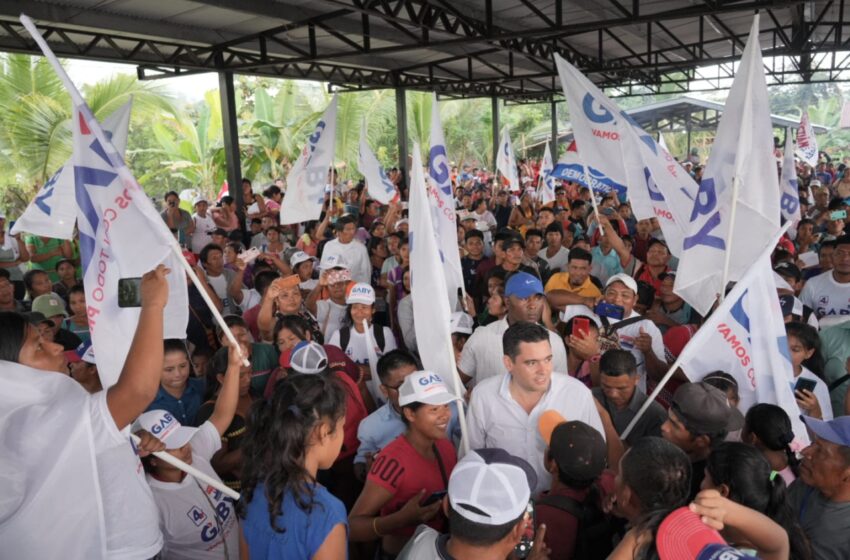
point(835, 431)
point(523, 285)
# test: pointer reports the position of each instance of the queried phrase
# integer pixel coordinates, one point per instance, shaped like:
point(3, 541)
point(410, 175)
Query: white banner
point(790, 202)
point(52, 213)
point(441, 197)
point(546, 188)
point(807, 143)
point(616, 149)
point(379, 186)
point(306, 182)
point(745, 336)
point(47, 468)
point(506, 161)
point(742, 153)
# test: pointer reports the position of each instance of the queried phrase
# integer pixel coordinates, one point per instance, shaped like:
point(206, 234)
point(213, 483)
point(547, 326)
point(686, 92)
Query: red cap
point(682, 536)
point(190, 257)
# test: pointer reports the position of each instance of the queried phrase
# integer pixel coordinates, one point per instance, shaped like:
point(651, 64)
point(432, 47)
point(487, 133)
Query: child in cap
point(196, 520)
point(576, 458)
point(327, 299)
point(407, 476)
point(287, 513)
point(487, 506)
point(353, 338)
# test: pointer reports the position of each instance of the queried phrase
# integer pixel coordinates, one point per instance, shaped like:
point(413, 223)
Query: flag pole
point(123, 172)
point(373, 363)
point(728, 254)
point(678, 362)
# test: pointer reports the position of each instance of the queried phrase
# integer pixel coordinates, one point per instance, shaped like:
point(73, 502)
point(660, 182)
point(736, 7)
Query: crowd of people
point(342, 445)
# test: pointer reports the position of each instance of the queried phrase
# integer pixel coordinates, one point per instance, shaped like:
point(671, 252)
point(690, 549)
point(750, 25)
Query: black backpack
point(345, 337)
point(596, 530)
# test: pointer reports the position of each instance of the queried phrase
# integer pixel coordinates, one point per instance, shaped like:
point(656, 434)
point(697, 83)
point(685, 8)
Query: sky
point(190, 88)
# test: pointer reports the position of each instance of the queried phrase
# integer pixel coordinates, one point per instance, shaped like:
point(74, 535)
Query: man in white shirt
point(504, 410)
point(204, 225)
point(353, 252)
point(829, 293)
point(482, 353)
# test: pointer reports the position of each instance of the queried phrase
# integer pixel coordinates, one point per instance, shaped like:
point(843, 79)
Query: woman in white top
point(352, 338)
point(804, 345)
point(197, 522)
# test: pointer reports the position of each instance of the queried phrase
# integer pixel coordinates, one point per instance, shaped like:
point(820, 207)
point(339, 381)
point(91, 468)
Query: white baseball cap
point(578, 310)
point(165, 427)
point(491, 486)
point(360, 293)
point(625, 279)
point(424, 387)
point(462, 323)
point(299, 257)
point(333, 261)
point(199, 199)
point(307, 357)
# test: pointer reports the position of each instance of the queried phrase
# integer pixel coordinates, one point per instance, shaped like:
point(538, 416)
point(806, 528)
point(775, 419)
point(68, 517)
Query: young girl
point(654, 480)
point(410, 470)
point(78, 322)
point(582, 351)
point(196, 521)
point(302, 265)
point(286, 512)
point(180, 393)
point(352, 338)
point(804, 344)
point(308, 242)
point(742, 474)
point(494, 308)
point(767, 427)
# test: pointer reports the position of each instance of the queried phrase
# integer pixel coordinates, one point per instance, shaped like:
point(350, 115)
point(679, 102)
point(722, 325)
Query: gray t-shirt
point(826, 523)
point(648, 425)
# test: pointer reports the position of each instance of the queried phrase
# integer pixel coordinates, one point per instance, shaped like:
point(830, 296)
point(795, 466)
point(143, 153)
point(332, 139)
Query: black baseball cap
point(578, 449)
point(788, 269)
point(705, 409)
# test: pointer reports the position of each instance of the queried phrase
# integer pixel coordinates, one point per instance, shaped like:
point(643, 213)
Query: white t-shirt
point(558, 261)
point(188, 523)
point(219, 286)
point(132, 526)
point(357, 349)
point(200, 237)
point(355, 255)
point(308, 285)
point(826, 296)
point(330, 316)
point(250, 298)
point(821, 392)
point(627, 336)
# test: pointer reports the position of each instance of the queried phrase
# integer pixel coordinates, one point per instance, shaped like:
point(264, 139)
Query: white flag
point(442, 202)
point(112, 209)
point(306, 182)
point(546, 188)
point(617, 151)
point(53, 212)
point(379, 186)
point(790, 202)
point(742, 152)
point(745, 336)
point(807, 144)
point(506, 161)
point(47, 467)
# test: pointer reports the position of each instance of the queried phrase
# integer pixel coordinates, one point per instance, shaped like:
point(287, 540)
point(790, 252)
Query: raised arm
point(228, 395)
point(139, 381)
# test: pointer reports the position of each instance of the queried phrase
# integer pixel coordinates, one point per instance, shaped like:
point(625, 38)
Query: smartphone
point(605, 309)
point(838, 215)
point(581, 327)
point(526, 542)
point(805, 385)
point(249, 256)
point(435, 497)
point(129, 292)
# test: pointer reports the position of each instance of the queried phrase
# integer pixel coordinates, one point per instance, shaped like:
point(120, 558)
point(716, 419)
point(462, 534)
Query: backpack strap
point(378, 331)
point(563, 503)
point(344, 337)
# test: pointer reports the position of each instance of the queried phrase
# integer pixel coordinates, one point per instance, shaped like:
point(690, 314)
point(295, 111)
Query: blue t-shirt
point(185, 409)
point(303, 533)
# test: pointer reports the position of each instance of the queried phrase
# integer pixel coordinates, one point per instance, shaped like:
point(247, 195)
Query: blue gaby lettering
point(704, 237)
point(704, 204)
point(439, 168)
point(84, 176)
point(654, 193)
point(789, 204)
point(47, 192)
point(740, 314)
point(601, 116)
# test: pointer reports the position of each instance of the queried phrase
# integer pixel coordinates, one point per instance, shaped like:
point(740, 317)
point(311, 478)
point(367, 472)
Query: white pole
point(373, 363)
point(592, 198)
point(189, 469)
point(458, 387)
point(728, 255)
point(651, 398)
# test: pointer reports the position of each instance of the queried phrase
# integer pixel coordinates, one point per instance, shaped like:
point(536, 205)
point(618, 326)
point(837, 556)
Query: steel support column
point(553, 146)
point(494, 111)
point(230, 134)
point(401, 132)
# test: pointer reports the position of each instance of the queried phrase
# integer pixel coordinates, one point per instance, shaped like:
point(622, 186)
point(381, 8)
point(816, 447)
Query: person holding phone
point(811, 392)
point(404, 485)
